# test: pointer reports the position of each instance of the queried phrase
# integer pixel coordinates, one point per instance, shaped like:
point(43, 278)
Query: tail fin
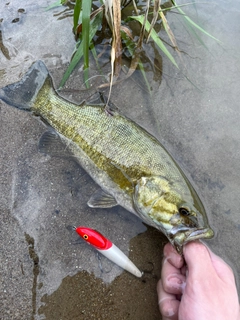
point(22, 94)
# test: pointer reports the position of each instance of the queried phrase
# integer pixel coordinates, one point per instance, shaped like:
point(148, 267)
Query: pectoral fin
point(102, 199)
point(51, 144)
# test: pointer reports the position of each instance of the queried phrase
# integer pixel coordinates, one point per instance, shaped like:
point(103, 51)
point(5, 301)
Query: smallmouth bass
point(130, 165)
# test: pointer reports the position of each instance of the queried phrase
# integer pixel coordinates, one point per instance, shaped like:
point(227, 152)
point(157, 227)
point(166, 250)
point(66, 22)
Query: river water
point(46, 273)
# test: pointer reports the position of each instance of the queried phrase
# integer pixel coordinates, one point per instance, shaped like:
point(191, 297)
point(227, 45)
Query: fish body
point(130, 165)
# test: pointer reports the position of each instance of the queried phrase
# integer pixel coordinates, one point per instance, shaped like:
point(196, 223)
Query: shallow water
point(46, 273)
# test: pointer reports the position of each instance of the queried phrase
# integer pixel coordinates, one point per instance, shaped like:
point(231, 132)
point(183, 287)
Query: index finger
point(173, 281)
point(173, 256)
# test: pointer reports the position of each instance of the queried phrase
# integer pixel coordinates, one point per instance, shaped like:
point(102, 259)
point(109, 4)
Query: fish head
point(172, 207)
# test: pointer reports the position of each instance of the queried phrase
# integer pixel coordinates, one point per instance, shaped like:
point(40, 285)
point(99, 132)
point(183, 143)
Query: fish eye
point(85, 236)
point(184, 212)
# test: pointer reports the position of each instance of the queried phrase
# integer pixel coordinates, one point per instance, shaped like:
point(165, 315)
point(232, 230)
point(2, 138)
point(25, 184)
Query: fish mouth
point(181, 236)
point(204, 233)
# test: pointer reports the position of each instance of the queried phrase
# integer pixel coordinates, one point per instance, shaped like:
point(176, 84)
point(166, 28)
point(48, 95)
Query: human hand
point(205, 289)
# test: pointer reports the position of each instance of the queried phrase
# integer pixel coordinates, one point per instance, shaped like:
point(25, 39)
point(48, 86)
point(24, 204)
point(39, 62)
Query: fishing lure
point(108, 249)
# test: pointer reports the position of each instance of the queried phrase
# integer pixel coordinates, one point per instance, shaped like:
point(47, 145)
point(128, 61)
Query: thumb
point(198, 259)
point(223, 270)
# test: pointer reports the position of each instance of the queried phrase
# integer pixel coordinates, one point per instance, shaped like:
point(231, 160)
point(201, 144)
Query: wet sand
point(127, 297)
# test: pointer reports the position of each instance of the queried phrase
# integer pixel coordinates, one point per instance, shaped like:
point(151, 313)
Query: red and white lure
point(108, 249)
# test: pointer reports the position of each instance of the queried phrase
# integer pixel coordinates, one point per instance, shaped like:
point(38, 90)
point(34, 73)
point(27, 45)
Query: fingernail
point(170, 310)
point(177, 283)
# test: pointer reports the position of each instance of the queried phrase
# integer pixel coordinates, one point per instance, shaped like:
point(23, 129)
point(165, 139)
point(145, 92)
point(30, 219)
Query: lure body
point(108, 249)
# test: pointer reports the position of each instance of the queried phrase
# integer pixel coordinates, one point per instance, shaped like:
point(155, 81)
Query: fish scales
point(129, 164)
point(106, 139)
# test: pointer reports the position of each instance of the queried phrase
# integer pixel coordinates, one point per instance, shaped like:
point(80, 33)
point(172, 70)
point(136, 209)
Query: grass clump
point(128, 25)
